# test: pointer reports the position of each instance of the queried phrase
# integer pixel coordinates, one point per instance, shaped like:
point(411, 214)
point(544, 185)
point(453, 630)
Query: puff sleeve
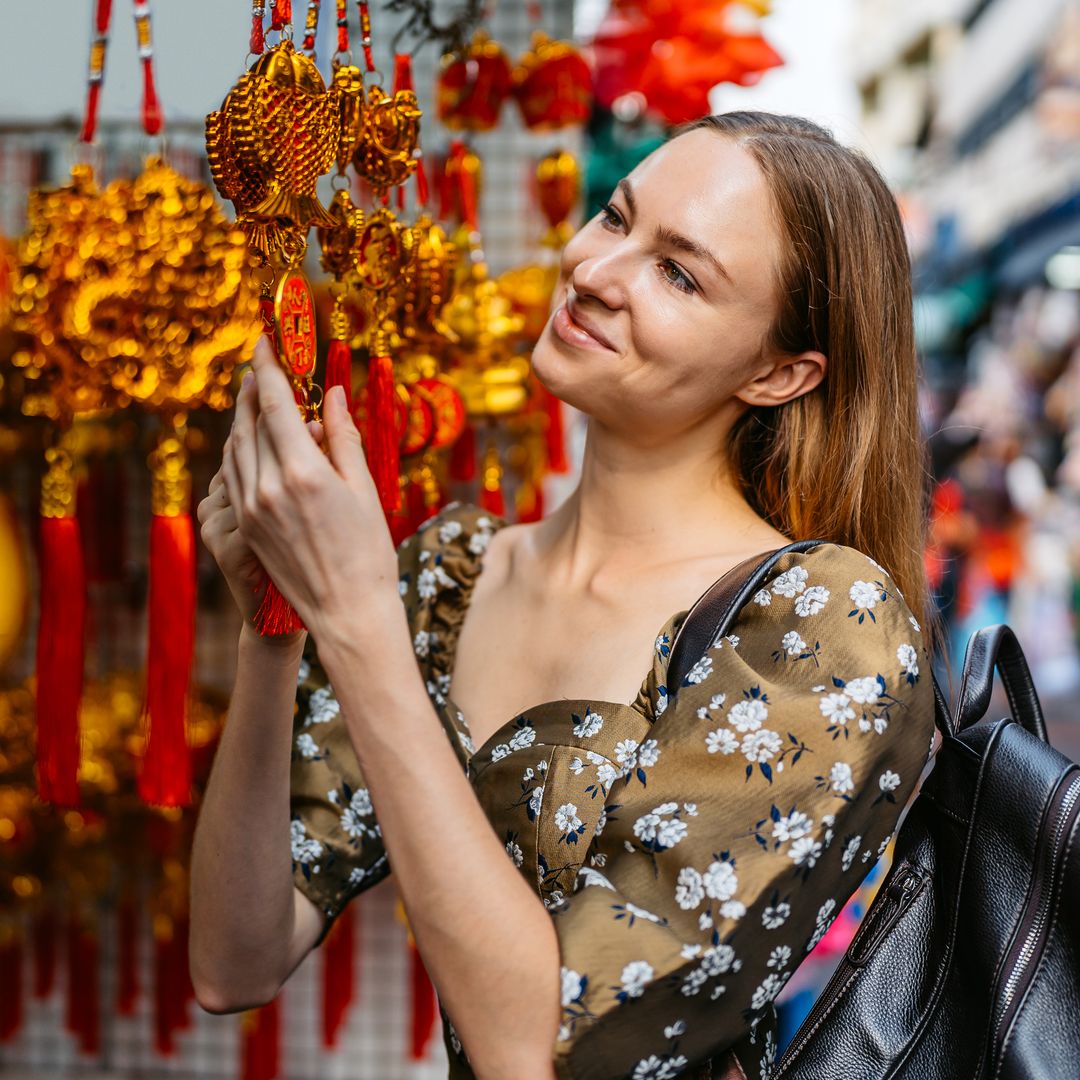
point(761, 797)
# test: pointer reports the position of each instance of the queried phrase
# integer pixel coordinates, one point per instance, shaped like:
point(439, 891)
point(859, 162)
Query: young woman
point(601, 885)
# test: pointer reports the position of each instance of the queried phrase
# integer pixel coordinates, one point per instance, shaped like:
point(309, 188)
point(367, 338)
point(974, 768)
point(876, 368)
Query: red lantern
point(472, 85)
point(552, 85)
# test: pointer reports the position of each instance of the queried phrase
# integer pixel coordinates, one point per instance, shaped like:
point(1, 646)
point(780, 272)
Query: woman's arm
point(250, 925)
point(483, 932)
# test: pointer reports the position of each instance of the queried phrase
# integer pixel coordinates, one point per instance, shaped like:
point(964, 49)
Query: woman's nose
point(600, 276)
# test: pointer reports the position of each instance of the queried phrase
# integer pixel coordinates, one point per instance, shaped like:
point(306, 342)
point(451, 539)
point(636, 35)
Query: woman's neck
point(638, 508)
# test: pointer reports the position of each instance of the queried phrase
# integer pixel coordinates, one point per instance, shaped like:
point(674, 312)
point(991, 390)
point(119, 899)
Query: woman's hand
point(312, 521)
point(239, 565)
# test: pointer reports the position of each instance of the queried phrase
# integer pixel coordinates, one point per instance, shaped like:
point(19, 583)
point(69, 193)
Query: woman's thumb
point(343, 438)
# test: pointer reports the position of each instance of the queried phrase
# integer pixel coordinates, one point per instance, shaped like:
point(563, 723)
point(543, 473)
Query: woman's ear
point(789, 377)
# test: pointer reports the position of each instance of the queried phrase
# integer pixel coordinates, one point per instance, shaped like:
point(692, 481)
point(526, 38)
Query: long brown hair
point(845, 462)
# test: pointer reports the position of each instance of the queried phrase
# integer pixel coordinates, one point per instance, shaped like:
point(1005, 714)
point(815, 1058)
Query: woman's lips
point(574, 333)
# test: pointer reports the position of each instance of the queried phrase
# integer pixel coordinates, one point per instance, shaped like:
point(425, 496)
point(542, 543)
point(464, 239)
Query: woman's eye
point(673, 274)
point(609, 216)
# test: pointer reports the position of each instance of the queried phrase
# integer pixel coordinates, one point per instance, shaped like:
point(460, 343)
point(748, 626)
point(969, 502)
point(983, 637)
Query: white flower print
point(792, 644)
point(718, 960)
point(792, 827)
point(766, 991)
point(648, 753)
point(359, 807)
point(587, 877)
point(864, 594)
point(850, 851)
point(811, 601)
point(305, 850)
point(478, 542)
point(700, 671)
point(588, 725)
point(500, 751)
point(626, 755)
point(322, 706)
point(824, 918)
point(675, 1030)
point(536, 800)
point(635, 977)
point(450, 530)
point(721, 741)
point(774, 917)
point(790, 582)
point(763, 597)
point(659, 831)
point(655, 1068)
point(670, 832)
point(888, 781)
point(863, 691)
point(761, 745)
point(606, 775)
point(690, 809)
point(402, 587)
point(522, 738)
point(576, 766)
point(836, 708)
point(572, 986)
point(422, 643)
point(917, 628)
point(661, 700)
point(429, 578)
point(840, 778)
point(566, 818)
point(705, 921)
point(514, 851)
point(306, 746)
point(909, 659)
point(720, 880)
point(805, 851)
point(779, 957)
point(733, 909)
point(689, 890)
point(661, 644)
point(303, 671)
point(747, 715)
point(694, 981)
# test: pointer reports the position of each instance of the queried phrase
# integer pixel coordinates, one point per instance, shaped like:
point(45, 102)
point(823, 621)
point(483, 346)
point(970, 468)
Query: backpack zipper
point(885, 911)
point(1034, 930)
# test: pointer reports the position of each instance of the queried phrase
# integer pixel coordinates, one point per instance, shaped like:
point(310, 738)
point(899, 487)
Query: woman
point(601, 886)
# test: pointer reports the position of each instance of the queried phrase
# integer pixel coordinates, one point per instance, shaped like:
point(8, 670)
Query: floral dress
point(692, 847)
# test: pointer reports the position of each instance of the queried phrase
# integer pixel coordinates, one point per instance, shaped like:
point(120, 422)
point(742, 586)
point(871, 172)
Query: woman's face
point(665, 298)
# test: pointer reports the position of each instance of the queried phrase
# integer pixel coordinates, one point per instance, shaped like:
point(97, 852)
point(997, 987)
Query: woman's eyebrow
point(664, 235)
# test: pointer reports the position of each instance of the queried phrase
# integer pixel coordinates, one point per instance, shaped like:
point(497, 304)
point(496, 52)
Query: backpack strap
point(714, 611)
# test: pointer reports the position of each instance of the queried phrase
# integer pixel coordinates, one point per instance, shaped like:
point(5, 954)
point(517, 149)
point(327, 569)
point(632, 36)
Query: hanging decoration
point(673, 54)
point(552, 85)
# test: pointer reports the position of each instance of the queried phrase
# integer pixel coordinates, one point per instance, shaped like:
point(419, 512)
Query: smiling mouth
point(569, 330)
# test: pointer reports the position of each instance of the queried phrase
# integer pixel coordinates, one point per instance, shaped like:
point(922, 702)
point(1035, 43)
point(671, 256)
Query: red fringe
point(555, 434)
point(276, 615)
point(463, 455)
point(83, 1014)
point(172, 986)
point(60, 659)
point(425, 1007)
point(339, 370)
point(165, 776)
point(382, 444)
point(339, 984)
point(261, 1043)
point(11, 989)
point(152, 119)
point(127, 961)
point(43, 936)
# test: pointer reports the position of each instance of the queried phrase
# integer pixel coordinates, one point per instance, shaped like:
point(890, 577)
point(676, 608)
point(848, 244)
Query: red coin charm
point(421, 425)
point(294, 312)
point(448, 408)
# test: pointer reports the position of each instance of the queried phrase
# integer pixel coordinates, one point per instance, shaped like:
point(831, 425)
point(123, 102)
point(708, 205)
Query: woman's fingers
point(232, 483)
point(243, 441)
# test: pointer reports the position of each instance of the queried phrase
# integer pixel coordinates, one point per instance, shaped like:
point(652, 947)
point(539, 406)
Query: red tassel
point(60, 659)
point(151, 107)
point(165, 776)
point(44, 943)
point(382, 443)
point(425, 1007)
point(338, 986)
point(403, 80)
point(260, 1046)
point(83, 1014)
point(11, 988)
point(127, 960)
point(555, 434)
point(339, 370)
point(463, 455)
point(172, 983)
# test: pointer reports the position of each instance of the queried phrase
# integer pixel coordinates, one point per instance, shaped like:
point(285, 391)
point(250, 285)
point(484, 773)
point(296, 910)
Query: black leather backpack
point(967, 964)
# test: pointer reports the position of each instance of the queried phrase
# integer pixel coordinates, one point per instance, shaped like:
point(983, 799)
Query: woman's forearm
point(250, 926)
point(484, 934)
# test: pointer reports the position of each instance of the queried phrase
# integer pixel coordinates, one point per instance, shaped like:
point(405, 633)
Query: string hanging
point(342, 26)
point(102, 17)
point(365, 34)
point(257, 41)
point(152, 120)
point(311, 27)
